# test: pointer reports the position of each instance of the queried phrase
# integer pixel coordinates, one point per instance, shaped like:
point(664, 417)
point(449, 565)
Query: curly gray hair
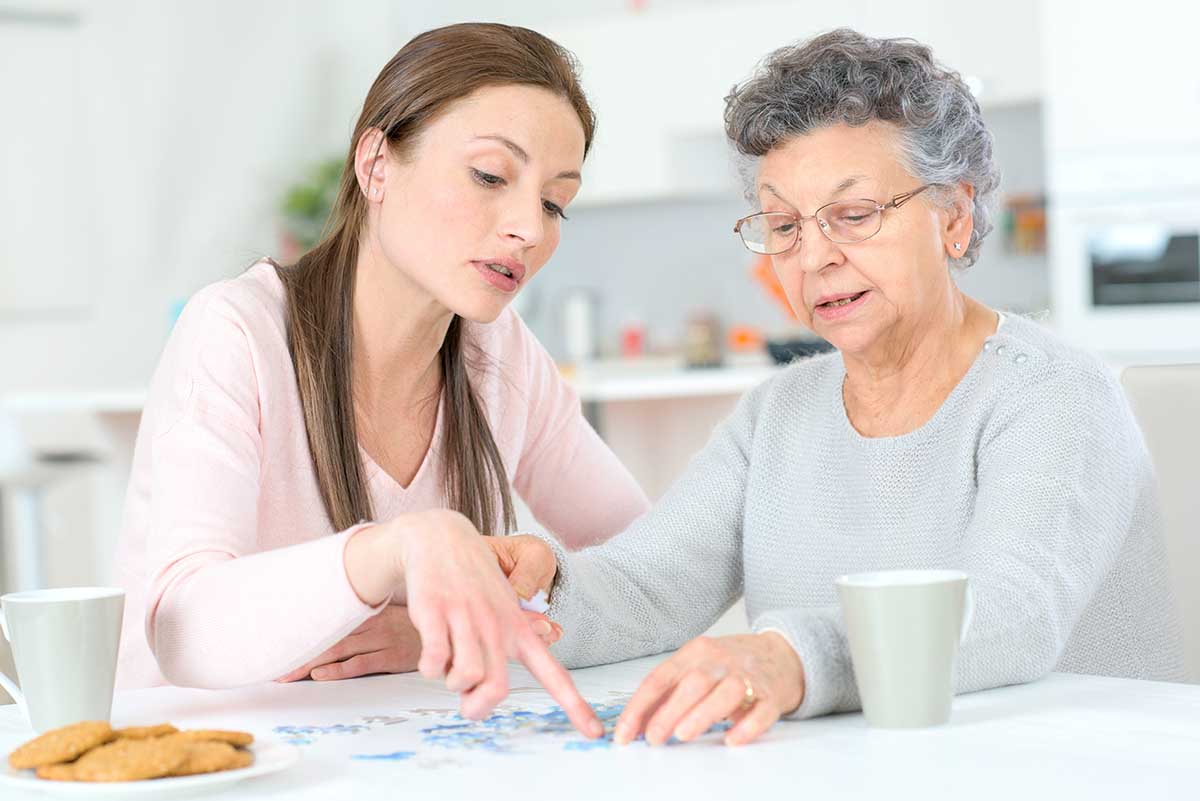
point(846, 77)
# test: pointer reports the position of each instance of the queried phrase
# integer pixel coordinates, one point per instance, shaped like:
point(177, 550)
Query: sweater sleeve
point(670, 575)
point(573, 483)
point(222, 612)
point(1057, 472)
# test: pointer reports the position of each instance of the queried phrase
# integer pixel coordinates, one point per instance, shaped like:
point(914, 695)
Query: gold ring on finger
point(749, 699)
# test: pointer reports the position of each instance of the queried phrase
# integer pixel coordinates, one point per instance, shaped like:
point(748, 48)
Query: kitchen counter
point(659, 378)
point(648, 378)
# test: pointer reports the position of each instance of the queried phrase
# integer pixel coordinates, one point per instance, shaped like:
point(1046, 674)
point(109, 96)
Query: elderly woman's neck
point(898, 386)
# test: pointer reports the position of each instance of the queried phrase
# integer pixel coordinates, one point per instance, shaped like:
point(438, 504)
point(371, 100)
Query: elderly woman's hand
point(527, 561)
point(751, 679)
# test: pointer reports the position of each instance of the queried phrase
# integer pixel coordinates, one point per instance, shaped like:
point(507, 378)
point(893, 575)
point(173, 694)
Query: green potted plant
point(306, 205)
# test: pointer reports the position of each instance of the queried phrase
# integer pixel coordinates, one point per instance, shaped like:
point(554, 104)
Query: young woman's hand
point(463, 608)
point(750, 679)
point(387, 643)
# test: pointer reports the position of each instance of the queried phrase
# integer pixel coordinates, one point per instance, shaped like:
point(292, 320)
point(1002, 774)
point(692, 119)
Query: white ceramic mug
point(64, 644)
point(904, 628)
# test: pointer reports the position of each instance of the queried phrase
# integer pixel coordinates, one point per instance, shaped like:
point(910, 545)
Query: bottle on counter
point(632, 339)
point(579, 325)
point(702, 340)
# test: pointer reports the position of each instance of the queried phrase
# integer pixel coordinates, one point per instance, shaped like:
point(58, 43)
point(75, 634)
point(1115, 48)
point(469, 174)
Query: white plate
point(269, 757)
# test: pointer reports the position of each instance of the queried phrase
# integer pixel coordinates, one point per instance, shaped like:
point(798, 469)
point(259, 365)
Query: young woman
point(324, 442)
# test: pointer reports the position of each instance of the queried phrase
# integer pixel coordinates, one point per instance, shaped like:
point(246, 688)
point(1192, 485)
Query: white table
point(1065, 737)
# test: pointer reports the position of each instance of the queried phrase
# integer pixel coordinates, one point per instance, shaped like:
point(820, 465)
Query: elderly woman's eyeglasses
point(842, 221)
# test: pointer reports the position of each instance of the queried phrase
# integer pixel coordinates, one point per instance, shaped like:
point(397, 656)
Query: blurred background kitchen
point(149, 148)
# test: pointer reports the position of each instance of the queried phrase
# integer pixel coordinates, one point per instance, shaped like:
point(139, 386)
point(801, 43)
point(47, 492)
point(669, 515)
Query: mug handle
point(968, 613)
point(7, 683)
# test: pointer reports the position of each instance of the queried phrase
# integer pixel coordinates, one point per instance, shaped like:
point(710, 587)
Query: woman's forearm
point(218, 621)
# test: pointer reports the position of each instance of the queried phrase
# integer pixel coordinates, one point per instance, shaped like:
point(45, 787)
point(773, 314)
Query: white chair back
point(1166, 401)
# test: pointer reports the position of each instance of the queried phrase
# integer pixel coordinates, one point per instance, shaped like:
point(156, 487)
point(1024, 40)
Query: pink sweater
point(233, 572)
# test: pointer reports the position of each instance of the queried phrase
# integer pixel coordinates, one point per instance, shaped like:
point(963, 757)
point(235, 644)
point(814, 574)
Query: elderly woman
point(940, 434)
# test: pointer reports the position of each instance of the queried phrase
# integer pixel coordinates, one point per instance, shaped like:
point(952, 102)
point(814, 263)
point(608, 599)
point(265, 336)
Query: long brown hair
point(429, 73)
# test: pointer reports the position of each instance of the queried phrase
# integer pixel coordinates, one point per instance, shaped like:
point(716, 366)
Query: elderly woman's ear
point(958, 220)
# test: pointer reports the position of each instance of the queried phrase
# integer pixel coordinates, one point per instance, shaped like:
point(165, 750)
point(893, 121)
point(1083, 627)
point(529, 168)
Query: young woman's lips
point(497, 279)
point(836, 312)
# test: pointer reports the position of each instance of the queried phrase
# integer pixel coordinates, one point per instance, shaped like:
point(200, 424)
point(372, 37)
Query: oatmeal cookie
point(240, 739)
point(61, 745)
point(145, 732)
point(130, 760)
point(210, 756)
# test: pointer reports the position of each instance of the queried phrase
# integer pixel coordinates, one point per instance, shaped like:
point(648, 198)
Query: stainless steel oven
point(1125, 272)
point(1144, 263)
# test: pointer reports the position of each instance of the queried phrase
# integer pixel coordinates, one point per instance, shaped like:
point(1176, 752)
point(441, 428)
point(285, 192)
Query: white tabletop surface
point(1065, 737)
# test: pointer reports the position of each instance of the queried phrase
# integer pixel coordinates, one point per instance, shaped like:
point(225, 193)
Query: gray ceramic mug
point(904, 628)
point(64, 643)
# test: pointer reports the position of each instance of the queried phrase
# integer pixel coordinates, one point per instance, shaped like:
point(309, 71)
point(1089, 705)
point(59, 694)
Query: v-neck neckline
point(376, 474)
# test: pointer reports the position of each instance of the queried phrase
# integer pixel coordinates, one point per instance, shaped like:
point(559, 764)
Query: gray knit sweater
point(1032, 477)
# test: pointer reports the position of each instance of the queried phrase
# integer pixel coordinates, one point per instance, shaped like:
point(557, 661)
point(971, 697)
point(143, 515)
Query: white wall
point(195, 117)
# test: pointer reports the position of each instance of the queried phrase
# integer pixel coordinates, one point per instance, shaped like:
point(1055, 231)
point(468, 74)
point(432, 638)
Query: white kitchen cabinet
point(658, 79)
point(1121, 78)
point(44, 176)
point(1122, 117)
